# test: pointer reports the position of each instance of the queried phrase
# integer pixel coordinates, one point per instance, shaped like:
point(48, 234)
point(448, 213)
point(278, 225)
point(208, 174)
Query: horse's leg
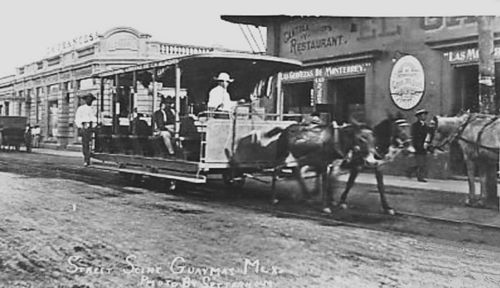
point(491, 184)
point(327, 196)
point(350, 182)
point(469, 164)
point(330, 185)
point(483, 180)
point(302, 183)
point(273, 187)
point(381, 190)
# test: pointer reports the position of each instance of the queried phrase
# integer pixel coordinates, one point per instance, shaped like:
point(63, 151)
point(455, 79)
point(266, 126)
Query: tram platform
point(437, 198)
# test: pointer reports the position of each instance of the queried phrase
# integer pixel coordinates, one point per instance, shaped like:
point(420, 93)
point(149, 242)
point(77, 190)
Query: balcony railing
point(173, 49)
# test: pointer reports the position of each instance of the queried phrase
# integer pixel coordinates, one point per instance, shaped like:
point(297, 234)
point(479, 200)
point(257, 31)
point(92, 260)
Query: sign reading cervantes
point(407, 82)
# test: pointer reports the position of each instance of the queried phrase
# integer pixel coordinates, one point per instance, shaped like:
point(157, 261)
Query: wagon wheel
point(233, 180)
point(131, 177)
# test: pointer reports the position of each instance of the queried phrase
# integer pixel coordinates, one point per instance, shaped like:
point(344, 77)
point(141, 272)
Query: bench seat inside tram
point(138, 139)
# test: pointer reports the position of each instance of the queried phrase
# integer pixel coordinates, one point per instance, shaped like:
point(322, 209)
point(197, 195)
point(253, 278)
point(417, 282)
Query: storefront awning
point(257, 20)
point(363, 56)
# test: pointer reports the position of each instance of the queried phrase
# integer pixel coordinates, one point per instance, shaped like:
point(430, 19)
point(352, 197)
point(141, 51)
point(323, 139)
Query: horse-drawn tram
point(204, 141)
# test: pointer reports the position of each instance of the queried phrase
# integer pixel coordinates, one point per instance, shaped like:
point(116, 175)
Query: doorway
point(348, 97)
point(467, 98)
point(297, 98)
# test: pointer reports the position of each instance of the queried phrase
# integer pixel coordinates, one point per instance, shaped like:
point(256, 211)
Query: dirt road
point(58, 230)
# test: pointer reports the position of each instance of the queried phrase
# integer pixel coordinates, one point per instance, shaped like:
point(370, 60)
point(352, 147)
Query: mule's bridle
point(453, 136)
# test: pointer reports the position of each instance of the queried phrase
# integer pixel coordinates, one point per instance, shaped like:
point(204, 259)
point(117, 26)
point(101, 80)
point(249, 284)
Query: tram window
point(124, 100)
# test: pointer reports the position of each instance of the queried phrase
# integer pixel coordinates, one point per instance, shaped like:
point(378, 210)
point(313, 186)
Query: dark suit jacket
point(419, 133)
point(159, 122)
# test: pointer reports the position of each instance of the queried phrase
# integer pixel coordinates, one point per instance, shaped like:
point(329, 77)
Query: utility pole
point(487, 97)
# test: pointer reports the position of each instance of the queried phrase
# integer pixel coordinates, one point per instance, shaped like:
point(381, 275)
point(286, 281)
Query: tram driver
point(218, 98)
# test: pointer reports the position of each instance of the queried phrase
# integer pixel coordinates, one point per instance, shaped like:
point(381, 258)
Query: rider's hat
point(167, 100)
point(88, 96)
point(401, 122)
point(421, 111)
point(223, 76)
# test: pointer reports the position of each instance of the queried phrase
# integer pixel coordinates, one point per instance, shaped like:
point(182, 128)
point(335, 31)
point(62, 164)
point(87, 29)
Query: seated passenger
point(164, 123)
point(314, 120)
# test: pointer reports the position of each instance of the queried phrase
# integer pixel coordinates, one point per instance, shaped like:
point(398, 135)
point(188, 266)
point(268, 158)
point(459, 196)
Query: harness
point(478, 140)
point(336, 139)
point(458, 135)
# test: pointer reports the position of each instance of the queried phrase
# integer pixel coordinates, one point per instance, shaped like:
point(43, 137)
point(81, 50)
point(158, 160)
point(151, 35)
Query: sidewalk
point(435, 185)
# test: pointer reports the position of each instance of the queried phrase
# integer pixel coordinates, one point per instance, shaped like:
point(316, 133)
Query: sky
point(29, 27)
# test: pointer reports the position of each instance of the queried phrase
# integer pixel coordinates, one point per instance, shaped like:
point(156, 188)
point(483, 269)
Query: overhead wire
point(246, 37)
point(261, 37)
point(253, 38)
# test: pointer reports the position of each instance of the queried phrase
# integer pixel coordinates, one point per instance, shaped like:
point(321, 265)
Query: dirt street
point(58, 229)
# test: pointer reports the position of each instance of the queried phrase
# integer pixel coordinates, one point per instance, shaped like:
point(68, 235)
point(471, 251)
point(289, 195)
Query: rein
point(478, 140)
point(454, 136)
point(458, 135)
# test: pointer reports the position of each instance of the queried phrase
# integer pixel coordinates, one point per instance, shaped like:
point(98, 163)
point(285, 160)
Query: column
point(63, 118)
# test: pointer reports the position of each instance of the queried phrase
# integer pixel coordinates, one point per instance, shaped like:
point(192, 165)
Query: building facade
point(366, 68)
point(47, 91)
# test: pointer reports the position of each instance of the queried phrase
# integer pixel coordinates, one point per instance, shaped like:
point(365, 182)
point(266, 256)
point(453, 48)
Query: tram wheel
point(131, 177)
point(233, 181)
point(171, 185)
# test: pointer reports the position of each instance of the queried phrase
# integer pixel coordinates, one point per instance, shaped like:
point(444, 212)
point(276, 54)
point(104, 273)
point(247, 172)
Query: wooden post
point(177, 100)
point(133, 92)
point(487, 97)
point(116, 121)
point(153, 81)
point(279, 97)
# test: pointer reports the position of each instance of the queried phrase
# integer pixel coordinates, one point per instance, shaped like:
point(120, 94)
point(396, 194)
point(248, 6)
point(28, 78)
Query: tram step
point(159, 163)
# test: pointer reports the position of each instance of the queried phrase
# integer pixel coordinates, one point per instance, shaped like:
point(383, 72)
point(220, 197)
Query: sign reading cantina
point(312, 38)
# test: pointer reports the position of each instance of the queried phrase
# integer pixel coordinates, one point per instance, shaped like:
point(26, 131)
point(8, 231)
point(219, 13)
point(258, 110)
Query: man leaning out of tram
point(164, 121)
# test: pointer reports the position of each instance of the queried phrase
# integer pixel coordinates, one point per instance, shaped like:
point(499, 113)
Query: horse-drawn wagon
point(14, 132)
point(206, 142)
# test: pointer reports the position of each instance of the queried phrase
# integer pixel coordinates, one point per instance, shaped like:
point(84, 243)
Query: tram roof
point(212, 59)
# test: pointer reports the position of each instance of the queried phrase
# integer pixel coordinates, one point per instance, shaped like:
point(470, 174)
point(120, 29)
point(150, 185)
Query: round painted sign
point(407, 82)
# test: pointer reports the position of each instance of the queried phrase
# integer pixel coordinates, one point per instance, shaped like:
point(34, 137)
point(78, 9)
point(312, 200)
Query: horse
point(478, 136)
point(391, 138)
point(317, 147)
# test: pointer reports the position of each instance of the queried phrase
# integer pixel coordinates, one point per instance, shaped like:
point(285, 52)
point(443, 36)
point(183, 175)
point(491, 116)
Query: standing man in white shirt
point(218, 98)
point(86, 120)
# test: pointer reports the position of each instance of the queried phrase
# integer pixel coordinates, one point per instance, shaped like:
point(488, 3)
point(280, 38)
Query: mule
point(317, 147)
point(478, 136)
point(391, 138)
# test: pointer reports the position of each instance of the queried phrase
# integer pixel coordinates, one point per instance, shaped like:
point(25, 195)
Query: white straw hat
point(223, 76)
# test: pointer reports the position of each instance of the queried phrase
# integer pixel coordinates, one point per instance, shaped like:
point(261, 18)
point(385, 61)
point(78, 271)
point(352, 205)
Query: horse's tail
point(273, 132)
